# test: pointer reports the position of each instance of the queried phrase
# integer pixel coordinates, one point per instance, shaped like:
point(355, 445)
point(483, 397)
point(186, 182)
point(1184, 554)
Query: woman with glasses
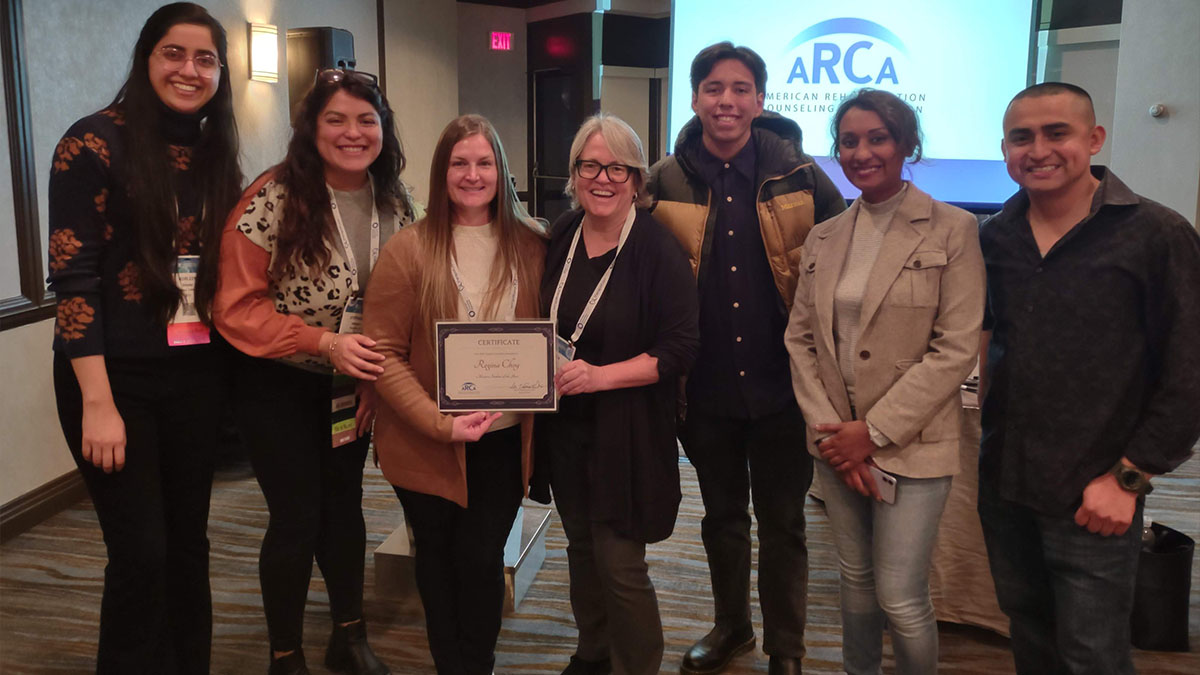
point(623, 296)
point(138, 194)
point(296, 255)
point(884, 330)
point(477, 256)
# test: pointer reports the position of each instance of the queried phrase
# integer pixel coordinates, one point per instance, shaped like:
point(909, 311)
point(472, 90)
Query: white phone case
point(885, 483)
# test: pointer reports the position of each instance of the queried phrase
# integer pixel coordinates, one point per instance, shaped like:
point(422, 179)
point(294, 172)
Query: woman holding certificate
point(884, 330)
point(476, 256)
point(622, 294)
point(138, 194)
point(296, 254)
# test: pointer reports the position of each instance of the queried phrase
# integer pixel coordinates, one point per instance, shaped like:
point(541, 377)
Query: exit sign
point(501, 41)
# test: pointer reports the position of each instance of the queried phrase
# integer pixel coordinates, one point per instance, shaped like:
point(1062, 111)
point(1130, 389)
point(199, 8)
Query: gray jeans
point(884, 552)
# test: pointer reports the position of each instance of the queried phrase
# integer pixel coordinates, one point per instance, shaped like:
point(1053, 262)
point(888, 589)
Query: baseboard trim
point(38, 504)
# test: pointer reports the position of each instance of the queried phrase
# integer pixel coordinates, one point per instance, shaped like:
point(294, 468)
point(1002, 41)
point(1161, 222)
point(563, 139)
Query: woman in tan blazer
point(476, 256)
point(883, 331)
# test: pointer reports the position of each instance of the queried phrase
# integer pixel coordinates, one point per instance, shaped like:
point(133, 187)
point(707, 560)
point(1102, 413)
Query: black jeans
point(612, 597)
point(766, 458)
point(313, 492)
point(156, 611)
point(460, 555)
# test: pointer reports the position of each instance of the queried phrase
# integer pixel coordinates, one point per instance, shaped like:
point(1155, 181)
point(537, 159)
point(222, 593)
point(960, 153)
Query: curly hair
point(306, 228)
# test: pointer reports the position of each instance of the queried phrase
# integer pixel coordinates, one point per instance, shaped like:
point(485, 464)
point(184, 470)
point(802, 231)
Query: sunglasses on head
point(334, 75)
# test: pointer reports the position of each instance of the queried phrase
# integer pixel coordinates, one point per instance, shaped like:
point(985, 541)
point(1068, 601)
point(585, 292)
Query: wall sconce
point(264, 52)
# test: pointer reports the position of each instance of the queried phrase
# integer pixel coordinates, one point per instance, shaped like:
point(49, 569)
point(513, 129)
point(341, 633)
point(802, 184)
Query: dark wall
point(636, 41)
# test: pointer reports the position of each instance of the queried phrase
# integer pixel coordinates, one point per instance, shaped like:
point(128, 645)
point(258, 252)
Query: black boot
point(289, 664)
point(713, 652)
point(348, 651)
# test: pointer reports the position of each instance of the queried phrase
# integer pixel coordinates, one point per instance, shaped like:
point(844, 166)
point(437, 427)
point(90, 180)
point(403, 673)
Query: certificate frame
point(536, 376)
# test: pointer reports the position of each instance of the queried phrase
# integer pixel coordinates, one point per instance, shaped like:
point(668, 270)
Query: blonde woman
point(621, 290)
point(476, 256)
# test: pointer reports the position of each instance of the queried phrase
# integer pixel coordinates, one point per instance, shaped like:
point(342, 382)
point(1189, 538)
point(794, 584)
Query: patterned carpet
point(50, 583)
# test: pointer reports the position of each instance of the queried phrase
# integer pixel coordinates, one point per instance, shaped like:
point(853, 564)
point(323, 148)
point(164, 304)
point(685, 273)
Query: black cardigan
point(651, 307)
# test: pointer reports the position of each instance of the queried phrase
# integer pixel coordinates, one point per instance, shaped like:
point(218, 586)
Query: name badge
point(342, 408)
point(352, 316)
point(186, 328)
point(564, 352)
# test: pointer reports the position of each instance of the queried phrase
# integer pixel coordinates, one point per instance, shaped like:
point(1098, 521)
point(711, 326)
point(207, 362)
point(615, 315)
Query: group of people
point(813, 337)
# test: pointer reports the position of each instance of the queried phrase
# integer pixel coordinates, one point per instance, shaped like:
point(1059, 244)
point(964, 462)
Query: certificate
point(496, 366)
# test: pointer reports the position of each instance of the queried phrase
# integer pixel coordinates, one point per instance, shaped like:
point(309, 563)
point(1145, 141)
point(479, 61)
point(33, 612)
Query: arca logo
point(827, 56)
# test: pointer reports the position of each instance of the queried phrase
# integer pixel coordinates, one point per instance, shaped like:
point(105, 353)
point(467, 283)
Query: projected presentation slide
point(957, 63)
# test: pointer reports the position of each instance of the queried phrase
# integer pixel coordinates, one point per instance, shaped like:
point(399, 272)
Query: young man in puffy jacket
point(741, 196)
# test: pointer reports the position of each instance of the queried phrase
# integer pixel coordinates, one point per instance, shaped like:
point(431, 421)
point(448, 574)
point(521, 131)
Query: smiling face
point(349, 139)
point(471, 180)
point(869, 155)
point(1049, 142)
point(181, 86)
point(727, 102)
point(604, 201)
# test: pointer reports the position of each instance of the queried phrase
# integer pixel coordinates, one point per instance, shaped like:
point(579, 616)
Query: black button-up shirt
point(742, 370)
point(1095, 350)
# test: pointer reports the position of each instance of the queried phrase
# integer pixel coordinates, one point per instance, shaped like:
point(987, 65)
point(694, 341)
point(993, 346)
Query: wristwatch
point(1131, 479)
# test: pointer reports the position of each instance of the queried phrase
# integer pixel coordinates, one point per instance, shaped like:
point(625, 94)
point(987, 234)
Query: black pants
point(460, 555)
point(612, 597)
point(156, 612)
point(766, 459)
point(313, 492)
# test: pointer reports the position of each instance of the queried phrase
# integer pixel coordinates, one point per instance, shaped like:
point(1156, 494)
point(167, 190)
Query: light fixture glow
point(264, 52)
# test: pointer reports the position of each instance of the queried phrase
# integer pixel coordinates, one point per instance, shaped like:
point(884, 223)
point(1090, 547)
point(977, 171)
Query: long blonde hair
point(439, 297)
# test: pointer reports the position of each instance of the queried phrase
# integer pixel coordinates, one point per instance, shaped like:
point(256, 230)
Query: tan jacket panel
point(919, 332)
point(411, 436)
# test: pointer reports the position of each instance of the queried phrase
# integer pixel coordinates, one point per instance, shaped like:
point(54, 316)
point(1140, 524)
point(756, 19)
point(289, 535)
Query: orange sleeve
point(243, 311)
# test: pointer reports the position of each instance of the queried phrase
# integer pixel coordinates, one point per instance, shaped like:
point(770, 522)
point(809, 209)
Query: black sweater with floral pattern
point(91, 253)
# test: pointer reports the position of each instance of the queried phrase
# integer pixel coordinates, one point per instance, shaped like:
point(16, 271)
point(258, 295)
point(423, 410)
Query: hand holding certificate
point(496, 366)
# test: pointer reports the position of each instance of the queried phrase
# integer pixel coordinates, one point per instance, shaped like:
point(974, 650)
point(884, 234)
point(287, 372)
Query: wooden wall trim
point(37, 505)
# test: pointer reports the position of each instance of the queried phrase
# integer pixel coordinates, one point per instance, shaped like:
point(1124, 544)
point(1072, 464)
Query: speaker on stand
point(313, 49)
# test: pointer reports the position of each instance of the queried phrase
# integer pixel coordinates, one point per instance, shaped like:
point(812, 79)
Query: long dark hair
point(214, 161)
point(306, 228)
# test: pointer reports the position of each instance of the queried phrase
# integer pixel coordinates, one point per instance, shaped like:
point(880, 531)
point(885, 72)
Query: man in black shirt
point(1091, 361)
point(741, 196)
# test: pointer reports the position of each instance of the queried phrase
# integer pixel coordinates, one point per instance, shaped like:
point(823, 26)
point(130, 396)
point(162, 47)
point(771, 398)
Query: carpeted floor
point(50, 584)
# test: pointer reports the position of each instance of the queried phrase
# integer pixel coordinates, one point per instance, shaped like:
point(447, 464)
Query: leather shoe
point(579, 666)
point(289, 664)
point(714, 651)
point(784, 665)
point(348, 651)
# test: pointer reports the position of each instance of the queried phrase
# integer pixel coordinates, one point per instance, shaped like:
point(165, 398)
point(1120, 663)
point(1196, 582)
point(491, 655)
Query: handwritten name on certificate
point(496, 366)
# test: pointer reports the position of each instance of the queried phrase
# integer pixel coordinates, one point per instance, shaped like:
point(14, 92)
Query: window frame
point(34, 303)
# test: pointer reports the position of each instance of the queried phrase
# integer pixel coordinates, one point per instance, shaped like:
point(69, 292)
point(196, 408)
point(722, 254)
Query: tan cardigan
point(411, 436)
point(919, 332)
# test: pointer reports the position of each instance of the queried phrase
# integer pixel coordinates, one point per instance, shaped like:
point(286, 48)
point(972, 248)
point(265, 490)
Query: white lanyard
point(462, 291)
point(598, 292)
point(350, 258)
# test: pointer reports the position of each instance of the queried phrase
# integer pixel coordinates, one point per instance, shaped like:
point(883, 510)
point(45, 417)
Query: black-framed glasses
point(617, 173)
point(333, 75)
point(206, 63)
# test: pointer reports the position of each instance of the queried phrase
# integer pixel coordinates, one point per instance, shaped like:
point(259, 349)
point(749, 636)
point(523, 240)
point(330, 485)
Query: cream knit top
point(870, 227)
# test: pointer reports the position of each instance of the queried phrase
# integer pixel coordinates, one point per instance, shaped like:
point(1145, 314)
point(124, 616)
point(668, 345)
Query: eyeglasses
point(206, 63)
point(617, 173)
point(334, 75)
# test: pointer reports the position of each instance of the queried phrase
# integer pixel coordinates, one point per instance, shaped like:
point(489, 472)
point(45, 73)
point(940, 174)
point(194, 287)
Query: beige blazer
point(918, 339)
